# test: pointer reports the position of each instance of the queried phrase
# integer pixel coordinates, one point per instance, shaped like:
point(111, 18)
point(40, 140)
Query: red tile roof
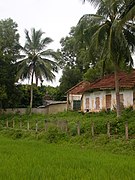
point(79, 88)
point(126, 80)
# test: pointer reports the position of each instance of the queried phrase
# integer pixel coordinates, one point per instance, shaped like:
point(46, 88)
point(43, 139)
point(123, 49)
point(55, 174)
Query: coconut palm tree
point(114, 34)
point(38, 62)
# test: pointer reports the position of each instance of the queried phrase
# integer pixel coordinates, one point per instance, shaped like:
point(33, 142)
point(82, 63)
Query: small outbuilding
point(74, 95)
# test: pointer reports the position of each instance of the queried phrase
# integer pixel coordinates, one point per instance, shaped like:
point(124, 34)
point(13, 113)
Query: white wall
point(50, 109)
point(127, 96)
point(73, 97)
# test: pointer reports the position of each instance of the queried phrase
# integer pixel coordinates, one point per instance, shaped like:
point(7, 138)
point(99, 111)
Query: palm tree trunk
point(118, 110)
point(31, 93)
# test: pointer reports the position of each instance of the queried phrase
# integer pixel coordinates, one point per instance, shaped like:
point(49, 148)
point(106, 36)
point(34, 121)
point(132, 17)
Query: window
point(97, 102)
point(87, 103)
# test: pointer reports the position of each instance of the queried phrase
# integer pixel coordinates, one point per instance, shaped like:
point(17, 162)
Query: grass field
point(31, 160)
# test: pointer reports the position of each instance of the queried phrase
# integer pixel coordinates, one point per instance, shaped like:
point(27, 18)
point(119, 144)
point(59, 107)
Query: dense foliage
point(9, 52)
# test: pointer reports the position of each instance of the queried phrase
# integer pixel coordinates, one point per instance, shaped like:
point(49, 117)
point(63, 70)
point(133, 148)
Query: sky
point(54, 17)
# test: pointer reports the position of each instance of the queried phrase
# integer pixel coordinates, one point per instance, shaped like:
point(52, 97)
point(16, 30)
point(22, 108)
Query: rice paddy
point(31, 160)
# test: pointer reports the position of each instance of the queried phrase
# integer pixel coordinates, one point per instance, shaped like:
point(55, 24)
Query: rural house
point(74, 95)
point(100, 95)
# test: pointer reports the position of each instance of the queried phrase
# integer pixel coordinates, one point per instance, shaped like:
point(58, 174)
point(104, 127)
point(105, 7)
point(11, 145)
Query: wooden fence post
point(45, 125)
point(108, 129)
point(7, 123)
point(28, 125)
point(20, 124)
point(66, 126)
point(78, 128)
point(92, 129)
point(60, 125)
point(36, 126)
point(116, 130)
point(13, 123)
point(126, 130)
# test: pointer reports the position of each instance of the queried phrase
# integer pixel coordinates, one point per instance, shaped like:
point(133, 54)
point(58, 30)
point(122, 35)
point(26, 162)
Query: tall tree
point(68, 51)
point(38, 61)
point(74, 50)
point(114, 33)
point(76, 59)
point(70, 77)
point(9, 51)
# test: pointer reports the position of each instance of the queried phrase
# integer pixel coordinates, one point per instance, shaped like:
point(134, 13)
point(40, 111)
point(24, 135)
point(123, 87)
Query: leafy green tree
point(68, 51)
point(70, 77)
point(114, 33)
point(9, 50)
point(74, 50)
point(74, 59)
point(38, 61)
point(76, 56)
point(53, 92)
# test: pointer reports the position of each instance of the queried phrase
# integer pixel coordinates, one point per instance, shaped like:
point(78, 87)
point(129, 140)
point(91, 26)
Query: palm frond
point(100, 35)
point(36, 38)
point(28, 39)
point(46, 72)
point(129, 13)
point(23, 71)
point(46, 41)
point(50, 53)
point(95, 3)
point(49, 63)
point(91, 19)
point(130, 38)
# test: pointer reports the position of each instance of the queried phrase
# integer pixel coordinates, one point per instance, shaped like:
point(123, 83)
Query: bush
point(53, 135)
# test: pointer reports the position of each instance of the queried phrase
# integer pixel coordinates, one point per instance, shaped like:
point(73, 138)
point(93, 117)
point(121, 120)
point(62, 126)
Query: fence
point(63, 125)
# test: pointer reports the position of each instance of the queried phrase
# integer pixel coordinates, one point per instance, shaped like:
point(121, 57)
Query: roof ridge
point(77, 85)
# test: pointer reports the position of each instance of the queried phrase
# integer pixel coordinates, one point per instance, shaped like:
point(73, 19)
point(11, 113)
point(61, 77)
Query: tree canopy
point(9, 50)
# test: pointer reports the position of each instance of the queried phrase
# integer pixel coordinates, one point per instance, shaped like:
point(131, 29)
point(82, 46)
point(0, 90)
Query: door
point(108, 102)
point(87, 103)
point(77, 105)
point(97, 102)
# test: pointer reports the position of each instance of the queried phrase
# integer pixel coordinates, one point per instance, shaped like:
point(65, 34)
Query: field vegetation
point(50, 129)
point(31, 159)
point(58, 154)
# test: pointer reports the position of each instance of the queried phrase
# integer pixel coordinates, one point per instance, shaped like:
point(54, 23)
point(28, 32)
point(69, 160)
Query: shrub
point(53, 135)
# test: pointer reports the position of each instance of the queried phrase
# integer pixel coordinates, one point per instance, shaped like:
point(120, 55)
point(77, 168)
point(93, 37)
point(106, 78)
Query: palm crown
point(114, 29)
point(37, 61)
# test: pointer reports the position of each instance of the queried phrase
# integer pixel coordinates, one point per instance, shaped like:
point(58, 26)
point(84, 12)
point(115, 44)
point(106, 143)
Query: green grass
point(100, 121)
point(30, 159)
